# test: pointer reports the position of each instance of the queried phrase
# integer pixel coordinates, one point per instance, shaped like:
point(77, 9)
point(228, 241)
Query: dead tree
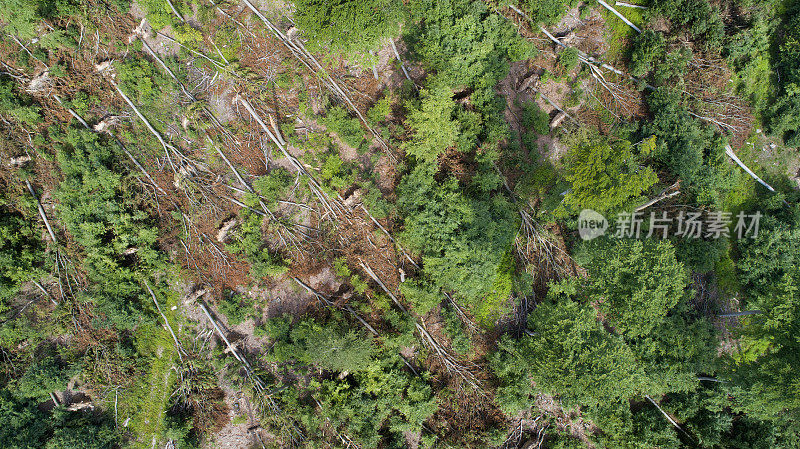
point(305, 57)
point(732, 155)
point(617, 13)
point(449, 362)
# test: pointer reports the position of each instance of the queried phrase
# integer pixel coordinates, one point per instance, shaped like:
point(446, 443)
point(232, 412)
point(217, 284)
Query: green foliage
point(535, 118)
point(700, 255)
point(330, 346)
point(21, 254)
point(466, 44)
point(228, 41)
point(463, 240)
point(690, 149)
point(347, 128)
point(748, 53)
point(768, 355)
point(624, 428)
point(459, 338)
point(273, 186)
point(42, 378)
point(334, 350)
point(24, 426)
point(375, 202)
point(22, 17)
point(373, 400)
point(648, 48)
point(342, 270)
point(80, 102)
point(384, 395)
point(80, 430)
point(672, 67)
point(381, 110)
point(546, 12)
point(159, 12)
point(278, 328)
point(568, 354)
point(784, 114)
point(20, 107)
point(774, 254)
point(698, 18)
point(335, 172)
point(140, 81)
point(249, 242)
point(237, 308)
point(605, 178)
point(421, 294)
point(568, 59)
point(95, 206)
point(636, 284)
point(348, 27)
point(433, 125)
point(462, 231)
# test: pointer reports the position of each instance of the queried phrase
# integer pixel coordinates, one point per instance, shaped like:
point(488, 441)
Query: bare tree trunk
point(164, 317)
point(311, 62)
point(41, 212)
point(628, 5)
point(175, 11)
point(40, 287)
point(402, 66)
point(732, 155)
point(655, 200)
point(616, 13)
point(669, 418)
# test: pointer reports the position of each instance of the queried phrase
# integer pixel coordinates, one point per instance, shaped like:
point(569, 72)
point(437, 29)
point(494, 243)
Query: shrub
point(139, 80)
point(648, 48)
point(535, 118)
point(568, 58)
point(248, 242)
point(381, 110)
point(19, 106)
point(236, 307)
point(273, 186)
point(348, 129)
point(21, 254)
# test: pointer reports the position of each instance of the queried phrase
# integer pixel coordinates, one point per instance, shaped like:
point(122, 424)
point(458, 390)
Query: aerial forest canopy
point(538, 224)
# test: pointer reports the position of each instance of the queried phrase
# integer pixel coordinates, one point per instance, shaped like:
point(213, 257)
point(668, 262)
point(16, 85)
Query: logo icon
point(591, 224)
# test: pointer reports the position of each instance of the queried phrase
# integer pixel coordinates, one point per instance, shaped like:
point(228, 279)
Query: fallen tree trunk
point(669, 418)
point(617, 13)
point(311, 62)
point(41, 212)
point(178, 346)
point(732, 155)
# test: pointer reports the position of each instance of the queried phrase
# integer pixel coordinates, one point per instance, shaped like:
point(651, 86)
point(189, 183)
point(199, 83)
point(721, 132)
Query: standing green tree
point(348, 27)
point(463, 240)
point(605, 178)
point(567, 353)
point(648, 48)
point(432, 123)
point(635, 284)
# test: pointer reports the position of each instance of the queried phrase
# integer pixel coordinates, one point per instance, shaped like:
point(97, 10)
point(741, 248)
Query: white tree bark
point(732, 155)
point(616, 13)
